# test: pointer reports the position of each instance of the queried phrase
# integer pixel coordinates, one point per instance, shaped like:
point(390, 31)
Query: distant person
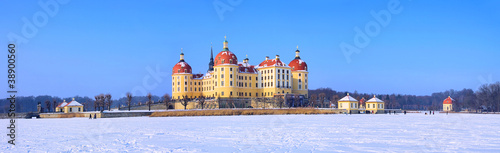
point(95, 116)
point(432, 112)
point(350, 112)
point(389, 112)
point(405, 112)
point(394, 112)
point(425, 113)
point(90, 116)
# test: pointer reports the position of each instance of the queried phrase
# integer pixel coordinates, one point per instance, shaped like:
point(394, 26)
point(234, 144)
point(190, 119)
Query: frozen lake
point(269, 133)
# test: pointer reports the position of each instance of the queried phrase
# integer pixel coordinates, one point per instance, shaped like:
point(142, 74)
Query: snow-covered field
point(270, 133)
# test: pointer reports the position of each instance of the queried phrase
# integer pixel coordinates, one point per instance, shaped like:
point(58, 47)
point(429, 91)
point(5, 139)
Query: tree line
point(486, 98)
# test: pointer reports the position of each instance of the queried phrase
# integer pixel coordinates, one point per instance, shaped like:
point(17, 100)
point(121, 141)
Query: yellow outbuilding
point(71, 107)
point(349, 103)
point(448, 104)
point(375, 105)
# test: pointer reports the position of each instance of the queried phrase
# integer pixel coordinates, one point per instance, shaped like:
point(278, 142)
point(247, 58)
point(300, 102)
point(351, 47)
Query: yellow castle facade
point(228, 77)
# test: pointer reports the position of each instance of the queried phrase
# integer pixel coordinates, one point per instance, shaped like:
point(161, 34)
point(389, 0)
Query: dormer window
point(231, 61)
point(222, 61)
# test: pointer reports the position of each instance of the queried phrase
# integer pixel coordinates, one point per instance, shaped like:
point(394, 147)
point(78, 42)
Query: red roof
point(297, 65)
point(272, 62)
point(225, 57)
point(246, 69)
point(448, 100)
point(195, 76)
point(181, 67)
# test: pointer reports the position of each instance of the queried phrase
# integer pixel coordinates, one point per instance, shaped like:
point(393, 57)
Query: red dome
point(298, 65)
point(448, 100)
point(181, 67)
point(225, 57)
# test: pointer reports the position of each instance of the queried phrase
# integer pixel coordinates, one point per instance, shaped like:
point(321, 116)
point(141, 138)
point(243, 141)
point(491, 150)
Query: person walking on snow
point(90, 116)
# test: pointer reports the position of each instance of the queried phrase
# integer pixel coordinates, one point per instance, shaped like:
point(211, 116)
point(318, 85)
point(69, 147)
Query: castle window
point(230, 83)
point(245, 84)
point(178, 83)
point(222, 76)
point(256, 78)
point(231, 69)
point(222, 83)
point(256, 84)
point(300, 80)
point(230, 76)
point(185, 88)
point(178, 70)
point(185, 83)
point(222, 69)
point(245, 77)
point(231, 93)
point(185, 71)
point(178, 89)
point(231, 61)
point(305, 86)
point(250, 94)
point(300, 86)
point(299, 74)
point(222, 93)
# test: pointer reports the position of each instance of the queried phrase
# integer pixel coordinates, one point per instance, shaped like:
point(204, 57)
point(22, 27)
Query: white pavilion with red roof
point(69, 107)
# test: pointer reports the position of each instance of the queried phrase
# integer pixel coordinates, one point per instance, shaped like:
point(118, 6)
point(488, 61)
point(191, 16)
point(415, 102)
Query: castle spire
point(211, 64)
point(297, 53)
point(225, 44)
point(182, 56)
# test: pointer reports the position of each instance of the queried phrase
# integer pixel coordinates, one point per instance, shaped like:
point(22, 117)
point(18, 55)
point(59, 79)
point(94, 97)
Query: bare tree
point(296, 99)
point(231, 101)
point(335, 99)
point(96, 103)
point(166, 100)
point(149, 101)
point(54, 105)
point(312, 99)
point(185, 101)
point(321, 98)
point(129, 100)
point(280, 101)
point(109, 101)
point(218, 101)
point(47, 103)
point(201, 101)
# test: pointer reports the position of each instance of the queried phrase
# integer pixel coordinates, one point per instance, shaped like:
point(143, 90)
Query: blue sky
point(92, 47)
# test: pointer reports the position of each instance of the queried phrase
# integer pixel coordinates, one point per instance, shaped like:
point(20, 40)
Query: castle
point(227, 77)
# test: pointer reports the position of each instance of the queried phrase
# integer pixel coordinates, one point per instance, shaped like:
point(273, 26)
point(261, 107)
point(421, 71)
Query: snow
point(74, 103)
point(261, 133)
point(300, 61)
point(348, 98)
point(183, 64)
point(375, 99)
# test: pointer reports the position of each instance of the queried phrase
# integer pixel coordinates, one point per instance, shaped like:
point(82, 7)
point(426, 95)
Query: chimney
point(267, 58)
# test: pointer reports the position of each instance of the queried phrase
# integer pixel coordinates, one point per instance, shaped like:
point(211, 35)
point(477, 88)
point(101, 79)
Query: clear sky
point(90, 47)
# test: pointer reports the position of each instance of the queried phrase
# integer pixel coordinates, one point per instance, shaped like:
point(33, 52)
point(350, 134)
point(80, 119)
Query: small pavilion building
point(349, 103)
point(448, 104)
point(375, 105)
point(71, 107)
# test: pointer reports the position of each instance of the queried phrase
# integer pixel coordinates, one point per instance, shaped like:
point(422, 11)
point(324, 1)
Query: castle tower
point(211, 64)
point(299, 74)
